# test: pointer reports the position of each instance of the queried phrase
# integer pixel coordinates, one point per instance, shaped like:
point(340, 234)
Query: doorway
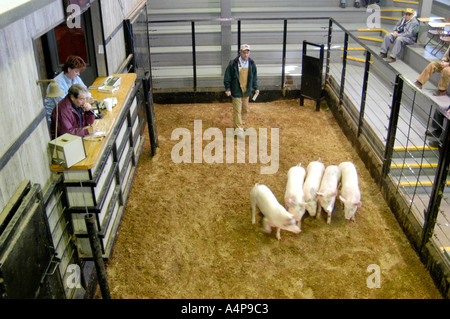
point(62, 41)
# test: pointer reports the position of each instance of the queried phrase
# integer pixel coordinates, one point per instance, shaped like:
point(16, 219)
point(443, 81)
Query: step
point(413, 169)
point(429, 152)
point(426, 185)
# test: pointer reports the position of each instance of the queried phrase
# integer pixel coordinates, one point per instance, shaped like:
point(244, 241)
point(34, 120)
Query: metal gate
point(312, 67)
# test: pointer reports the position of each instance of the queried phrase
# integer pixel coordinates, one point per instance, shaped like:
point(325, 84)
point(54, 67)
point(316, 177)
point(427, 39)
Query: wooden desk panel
point(94, 148)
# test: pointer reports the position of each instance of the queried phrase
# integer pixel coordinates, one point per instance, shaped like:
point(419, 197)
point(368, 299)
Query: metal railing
point(396, 126)
point(389, 112)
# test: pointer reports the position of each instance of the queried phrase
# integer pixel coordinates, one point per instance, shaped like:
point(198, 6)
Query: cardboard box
point(69, 150)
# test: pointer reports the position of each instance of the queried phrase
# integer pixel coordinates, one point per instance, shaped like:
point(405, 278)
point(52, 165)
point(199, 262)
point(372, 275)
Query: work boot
point(434, 133)
point(440, 92)
point(383, 55)
point(435, 144)
point(390, 60)
point(418, 84)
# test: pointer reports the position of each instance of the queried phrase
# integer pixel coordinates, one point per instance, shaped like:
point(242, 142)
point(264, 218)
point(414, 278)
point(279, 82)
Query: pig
point(275, 215)
point(293, 197)
point(314, 173)
point(350, 195)
point(328, 190)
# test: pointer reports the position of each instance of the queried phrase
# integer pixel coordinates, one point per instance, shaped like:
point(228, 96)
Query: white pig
point(350, 195)
point(293, 197)
point(328, 190)
point(275, 215)
point(314, 173)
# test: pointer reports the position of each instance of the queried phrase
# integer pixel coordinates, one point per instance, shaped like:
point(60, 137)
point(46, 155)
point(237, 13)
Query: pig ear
point(291, 201)
point(358, 204)
point(319, 194)
point(342, 199)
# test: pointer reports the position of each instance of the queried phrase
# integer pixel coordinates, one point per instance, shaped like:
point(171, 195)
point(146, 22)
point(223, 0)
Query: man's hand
point(87, 107)
point(395, 34)
point(228, 93)
point(92, 129)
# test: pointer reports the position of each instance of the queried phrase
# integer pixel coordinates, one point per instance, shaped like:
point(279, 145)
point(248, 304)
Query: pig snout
point(292, 226)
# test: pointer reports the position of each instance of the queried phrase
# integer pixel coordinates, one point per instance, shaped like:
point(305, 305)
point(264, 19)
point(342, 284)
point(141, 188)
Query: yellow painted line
point(405, 1)
point(370, 39)
point(356, 59)
point(423, 184)
point(414, 148)
point(354, 49)
point(392, 10)
point(374, 30)
point(414, 165)
point(390, 18)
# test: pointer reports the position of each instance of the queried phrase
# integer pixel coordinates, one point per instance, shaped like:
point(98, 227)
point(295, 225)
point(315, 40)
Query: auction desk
point(100, 183)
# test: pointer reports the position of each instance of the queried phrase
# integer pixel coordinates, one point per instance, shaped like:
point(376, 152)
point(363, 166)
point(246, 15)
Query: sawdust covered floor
point(186, 231)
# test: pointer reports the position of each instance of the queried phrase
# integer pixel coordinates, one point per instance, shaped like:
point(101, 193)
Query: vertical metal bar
point(194, 58)
point(238, 36)
point(364, 92)
point(320, 74)
point(438, 188)
point(304, 48)
point(97, 255)
point(344, 67)
point(149, 111)
point(392, 129)
point(327, 69)
point(283, 66)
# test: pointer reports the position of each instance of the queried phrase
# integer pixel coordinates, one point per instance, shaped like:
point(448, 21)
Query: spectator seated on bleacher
point(405, 32)
point(357, 3)
point(443, 67)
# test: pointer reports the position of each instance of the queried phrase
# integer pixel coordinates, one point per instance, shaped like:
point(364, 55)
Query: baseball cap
point(245, 47)
point(410, 11)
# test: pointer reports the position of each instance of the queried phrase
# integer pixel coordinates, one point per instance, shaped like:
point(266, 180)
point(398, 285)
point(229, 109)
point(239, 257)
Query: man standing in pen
point(239, 80)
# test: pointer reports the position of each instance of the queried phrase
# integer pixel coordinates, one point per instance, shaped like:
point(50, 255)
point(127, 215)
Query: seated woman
point(70, 75)
point(73, 114)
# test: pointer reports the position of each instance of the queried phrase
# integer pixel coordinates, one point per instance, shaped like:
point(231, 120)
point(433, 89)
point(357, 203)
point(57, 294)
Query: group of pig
point(311, 190)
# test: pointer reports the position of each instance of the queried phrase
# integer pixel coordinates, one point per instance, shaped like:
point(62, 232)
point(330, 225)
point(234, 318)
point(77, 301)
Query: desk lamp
point(54, 90)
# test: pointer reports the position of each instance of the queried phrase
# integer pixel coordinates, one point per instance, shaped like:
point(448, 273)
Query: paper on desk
point(95, 136)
